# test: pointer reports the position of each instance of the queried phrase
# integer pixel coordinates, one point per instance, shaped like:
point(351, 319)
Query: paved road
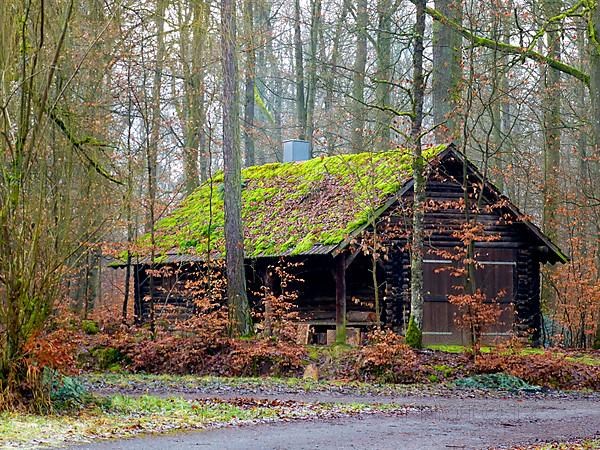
point(472, 423)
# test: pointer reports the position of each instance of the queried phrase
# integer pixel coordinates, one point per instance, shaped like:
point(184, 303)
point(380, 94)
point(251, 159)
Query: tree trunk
point(384, 73)
point(240, 323)
point(552, 123)
point(447, 73)
point(329, 75)
point(198, 153)
point(500, 101)
point(299, 60)
point(595, 77)
point(153, 142)
point(312, 68)
point(250, 82)
point(358, 79)
point(417, 248)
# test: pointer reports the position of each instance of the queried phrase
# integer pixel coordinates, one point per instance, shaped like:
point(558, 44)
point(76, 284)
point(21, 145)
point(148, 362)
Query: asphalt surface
point(465, 423)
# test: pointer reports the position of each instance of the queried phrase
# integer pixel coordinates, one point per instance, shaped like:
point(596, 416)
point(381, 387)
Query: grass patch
point(585, 444)
point(122, 416)
point(590, 359)
point(454, 348)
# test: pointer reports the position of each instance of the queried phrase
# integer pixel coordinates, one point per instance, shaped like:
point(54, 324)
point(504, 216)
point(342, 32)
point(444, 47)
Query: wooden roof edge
point(451, 149)
point(408, 184)
point(558, 253)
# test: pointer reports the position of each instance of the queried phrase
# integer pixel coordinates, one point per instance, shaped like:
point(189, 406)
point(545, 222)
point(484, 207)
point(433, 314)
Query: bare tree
point(447, 68)
point(415, 327)
point(240, 322)
point(358, 110)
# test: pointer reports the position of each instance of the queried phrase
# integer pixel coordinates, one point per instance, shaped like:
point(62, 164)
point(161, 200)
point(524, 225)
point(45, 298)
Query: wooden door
point(494, 276)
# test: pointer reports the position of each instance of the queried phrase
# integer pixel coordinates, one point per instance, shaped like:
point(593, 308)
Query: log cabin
point(326, 213)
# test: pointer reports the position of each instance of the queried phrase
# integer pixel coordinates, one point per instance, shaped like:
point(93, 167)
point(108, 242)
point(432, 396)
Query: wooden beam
point(340, 298)
point(270, 285)
point(351, 257)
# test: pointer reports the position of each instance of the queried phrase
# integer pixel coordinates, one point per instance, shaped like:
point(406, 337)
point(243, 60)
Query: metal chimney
point(296, 150)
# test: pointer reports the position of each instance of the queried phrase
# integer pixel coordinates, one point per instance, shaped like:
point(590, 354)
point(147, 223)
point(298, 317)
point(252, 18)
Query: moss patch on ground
point(290, 207)
point(591, 358)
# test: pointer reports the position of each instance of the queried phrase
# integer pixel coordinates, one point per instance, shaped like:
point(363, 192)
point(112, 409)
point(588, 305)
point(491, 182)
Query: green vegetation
point(106, 357)
point(496, 381)
point(585, 444)
point(291, 207)
point(588, 360)
point(447, 348)
point(122, 416)
point(89, 327)
point(583, 358)
point(414, 336)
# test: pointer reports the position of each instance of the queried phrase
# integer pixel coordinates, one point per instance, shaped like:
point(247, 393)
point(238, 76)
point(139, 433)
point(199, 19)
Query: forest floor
point(436, 415)
point(292, 413)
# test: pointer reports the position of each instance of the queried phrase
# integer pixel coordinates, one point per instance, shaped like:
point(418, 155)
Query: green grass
point(584, 358)
point(127, 380)
point(585, 444)
point(121, 416)
point(454, 348)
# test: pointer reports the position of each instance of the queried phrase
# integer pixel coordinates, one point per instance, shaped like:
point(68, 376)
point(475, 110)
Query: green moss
point(106, 357)
point(290, 206)
point(445, 370)
point(414, 336)
point(89, 327)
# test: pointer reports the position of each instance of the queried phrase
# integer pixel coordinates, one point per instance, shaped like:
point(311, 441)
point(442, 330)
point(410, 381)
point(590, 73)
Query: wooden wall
point(317, 294)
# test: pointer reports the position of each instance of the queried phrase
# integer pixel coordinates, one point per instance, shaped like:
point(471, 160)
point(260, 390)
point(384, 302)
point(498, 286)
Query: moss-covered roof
point(290, 208)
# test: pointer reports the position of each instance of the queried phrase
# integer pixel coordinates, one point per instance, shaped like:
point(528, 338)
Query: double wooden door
point(495, 276)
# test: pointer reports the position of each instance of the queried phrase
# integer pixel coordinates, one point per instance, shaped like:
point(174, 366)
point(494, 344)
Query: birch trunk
point(416, 259)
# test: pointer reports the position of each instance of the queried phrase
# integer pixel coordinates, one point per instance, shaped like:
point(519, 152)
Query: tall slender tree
point(415, 326)
point(385, 12)
point(447, 72)
point(240, 322)
point(250, 82)
point(299, 68)
point(358, 110)
point(552, 122)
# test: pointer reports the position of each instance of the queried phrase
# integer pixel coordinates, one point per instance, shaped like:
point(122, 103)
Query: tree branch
point(481, 41)
point(78, 145)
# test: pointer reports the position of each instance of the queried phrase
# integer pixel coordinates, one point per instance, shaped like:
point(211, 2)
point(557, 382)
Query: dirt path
point(471, 423)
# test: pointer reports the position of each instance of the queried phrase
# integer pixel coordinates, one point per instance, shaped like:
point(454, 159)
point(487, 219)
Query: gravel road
point(477, 422)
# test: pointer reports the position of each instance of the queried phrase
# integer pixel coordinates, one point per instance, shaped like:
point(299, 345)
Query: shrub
point(414, 336)
point(89, 327)
point(547, 369)
point(65, 392)
point(168, 354)
point(388, 359)
point(495, 381)
point(106, 357)
point(54, 350)
point(265, 357)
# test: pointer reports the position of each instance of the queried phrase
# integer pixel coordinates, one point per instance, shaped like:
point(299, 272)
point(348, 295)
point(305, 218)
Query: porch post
point(340, 298)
